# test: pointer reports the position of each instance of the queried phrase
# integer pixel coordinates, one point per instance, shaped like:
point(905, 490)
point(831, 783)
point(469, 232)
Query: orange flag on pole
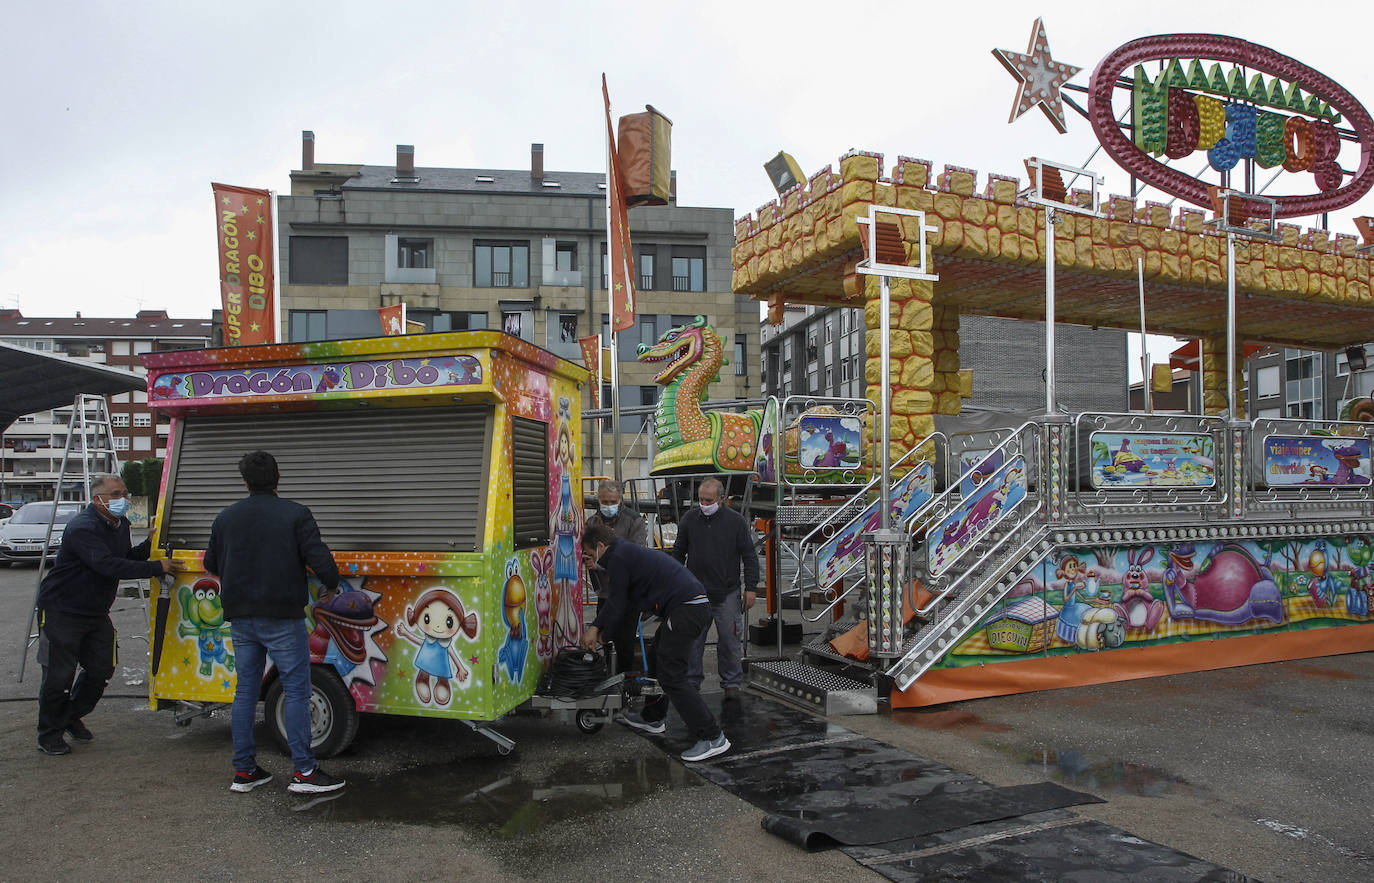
point(618, 227)
point(393, 319)
point(243, 218)
point(591, 357)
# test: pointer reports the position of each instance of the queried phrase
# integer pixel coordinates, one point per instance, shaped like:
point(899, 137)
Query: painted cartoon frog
point(202, 617)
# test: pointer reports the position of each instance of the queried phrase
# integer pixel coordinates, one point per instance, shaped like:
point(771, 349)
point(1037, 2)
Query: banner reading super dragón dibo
point(243, 222)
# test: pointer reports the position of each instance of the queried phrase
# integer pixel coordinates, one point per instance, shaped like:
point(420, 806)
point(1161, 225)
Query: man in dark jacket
point(714, 541)
point(259, 548)
point(74, 602)
point(641, 580)
point(628, 525)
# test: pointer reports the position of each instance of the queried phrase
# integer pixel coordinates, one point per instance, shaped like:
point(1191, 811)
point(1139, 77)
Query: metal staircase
point(965, 588)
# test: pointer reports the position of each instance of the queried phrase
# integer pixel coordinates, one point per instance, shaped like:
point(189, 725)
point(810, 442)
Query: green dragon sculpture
point(690, 439)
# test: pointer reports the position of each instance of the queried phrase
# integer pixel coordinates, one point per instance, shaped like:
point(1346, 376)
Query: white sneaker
point(707, 749)
point(635, 722)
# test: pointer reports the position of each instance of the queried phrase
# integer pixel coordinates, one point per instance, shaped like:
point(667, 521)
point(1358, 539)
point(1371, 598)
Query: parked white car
point(21, 538)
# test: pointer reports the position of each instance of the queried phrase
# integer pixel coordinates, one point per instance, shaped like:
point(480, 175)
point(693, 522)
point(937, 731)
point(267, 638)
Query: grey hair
point(607, 485)
point(99, 482)
point(720, 488)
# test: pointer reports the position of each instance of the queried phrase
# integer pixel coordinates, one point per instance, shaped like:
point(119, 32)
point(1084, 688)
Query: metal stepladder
point(90, 436)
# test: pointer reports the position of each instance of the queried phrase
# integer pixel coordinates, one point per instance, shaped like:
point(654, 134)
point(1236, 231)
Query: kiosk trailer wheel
point(333, 715)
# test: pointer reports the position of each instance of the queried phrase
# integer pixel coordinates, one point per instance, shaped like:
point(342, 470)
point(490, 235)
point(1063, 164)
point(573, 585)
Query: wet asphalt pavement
point(1264, 770)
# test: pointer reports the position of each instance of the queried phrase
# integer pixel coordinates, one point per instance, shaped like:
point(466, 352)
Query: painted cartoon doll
point(432, 623)
point(567, 526)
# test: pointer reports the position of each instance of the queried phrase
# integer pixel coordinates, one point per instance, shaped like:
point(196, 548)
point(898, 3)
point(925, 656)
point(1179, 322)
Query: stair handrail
point(808, 541)
point(942, 502)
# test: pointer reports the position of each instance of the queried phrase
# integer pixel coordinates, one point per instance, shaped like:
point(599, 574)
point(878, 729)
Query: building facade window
point(121, 443)
point(143, 420)
point(119, 419)
point(567, 328)
point(318, 260)
point(647, 335)
point(741, 355)
point(501, 264)
point(646, 269)
point(307, 325)
point(415, 254)
point(511, 323)
point(565, 256)
point(689, 268)
point(1267, 381)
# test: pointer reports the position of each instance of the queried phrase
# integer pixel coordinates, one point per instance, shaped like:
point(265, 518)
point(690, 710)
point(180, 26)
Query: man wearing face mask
point(714, 542)
point(74, 603)
point(627, 524)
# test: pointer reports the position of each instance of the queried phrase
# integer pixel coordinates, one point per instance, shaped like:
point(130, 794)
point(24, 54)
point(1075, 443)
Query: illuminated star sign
point(1041, 77)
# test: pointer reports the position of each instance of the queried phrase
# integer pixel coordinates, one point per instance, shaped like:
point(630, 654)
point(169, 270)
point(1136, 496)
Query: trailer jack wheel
point(333, 714)
point(589, 720)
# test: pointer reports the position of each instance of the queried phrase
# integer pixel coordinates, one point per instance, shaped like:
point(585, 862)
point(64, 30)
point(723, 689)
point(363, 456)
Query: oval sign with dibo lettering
point(1236, 101)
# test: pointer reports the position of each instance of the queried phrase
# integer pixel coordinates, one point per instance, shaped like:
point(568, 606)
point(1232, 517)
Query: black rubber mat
point(867, 825)
point(830, 783)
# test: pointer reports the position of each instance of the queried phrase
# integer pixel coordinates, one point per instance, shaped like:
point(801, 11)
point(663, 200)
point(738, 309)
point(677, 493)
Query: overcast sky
point(120, 114)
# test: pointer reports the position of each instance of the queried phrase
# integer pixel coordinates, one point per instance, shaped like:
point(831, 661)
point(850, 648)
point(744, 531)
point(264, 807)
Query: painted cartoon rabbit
point(1138, 609)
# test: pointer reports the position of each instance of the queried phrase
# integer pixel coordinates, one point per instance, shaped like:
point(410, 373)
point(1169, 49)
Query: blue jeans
point(729, 619)
point(285, 640)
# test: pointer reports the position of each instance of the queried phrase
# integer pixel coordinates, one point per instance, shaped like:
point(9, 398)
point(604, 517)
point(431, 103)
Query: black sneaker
point(244, 782)
point(316, 782)
point(55, 748)
point(80, 735)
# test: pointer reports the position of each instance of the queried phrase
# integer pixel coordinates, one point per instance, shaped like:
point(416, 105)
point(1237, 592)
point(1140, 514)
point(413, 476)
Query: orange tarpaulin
point(854, 643)
point(1128, 663)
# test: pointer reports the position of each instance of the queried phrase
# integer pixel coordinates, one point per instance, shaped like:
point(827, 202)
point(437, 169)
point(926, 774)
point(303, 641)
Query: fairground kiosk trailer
point(443, 470)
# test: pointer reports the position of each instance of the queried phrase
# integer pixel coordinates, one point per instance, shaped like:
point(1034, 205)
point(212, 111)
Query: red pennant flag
point(393, 319)
point(591, 357)
point(243, 218)
point(619, 253)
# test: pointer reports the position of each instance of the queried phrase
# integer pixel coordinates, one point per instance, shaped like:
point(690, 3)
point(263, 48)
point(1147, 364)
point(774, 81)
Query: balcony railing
point(682, 283)
point(646, 282)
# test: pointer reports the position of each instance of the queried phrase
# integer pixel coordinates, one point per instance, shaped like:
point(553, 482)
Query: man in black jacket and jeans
point(714, 542)
point(259, 548)
point(74, 602)
point(641, 580)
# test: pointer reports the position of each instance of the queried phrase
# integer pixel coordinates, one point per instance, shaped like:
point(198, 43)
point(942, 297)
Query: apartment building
point(820, 351)
point(31, 449)
point(1304, 384)
point(523, 250)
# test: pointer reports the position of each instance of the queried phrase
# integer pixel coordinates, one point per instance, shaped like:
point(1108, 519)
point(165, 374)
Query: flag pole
point(612, 192)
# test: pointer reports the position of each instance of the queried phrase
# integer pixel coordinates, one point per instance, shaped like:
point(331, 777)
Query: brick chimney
point(537, 162)
point(307, 150)
point(405, 160)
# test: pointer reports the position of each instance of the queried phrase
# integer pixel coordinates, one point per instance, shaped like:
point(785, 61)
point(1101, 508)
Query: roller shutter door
point(386, 480)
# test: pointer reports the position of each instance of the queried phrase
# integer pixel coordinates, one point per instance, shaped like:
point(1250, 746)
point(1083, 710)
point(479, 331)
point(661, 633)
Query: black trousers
point(672, 648)
point(66, 641)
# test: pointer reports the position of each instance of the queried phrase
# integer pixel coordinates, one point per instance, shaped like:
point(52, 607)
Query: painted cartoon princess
point(433, 622)
point(567, 524)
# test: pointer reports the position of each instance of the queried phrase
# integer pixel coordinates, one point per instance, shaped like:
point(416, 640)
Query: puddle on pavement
point(1074, 768)
point(502, 799)
point(948, 720)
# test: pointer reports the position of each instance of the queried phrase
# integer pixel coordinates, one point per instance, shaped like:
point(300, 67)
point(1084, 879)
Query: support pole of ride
point(887, 548)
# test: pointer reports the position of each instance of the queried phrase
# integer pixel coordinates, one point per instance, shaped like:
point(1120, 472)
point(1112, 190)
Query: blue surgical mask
point(610, 511)
point(709, 510)
point(119, 507)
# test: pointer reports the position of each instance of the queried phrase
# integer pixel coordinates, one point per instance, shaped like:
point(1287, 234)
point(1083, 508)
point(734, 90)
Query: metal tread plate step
point(814, 687)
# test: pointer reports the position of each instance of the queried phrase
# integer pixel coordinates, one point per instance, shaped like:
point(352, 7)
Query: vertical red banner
point(618, 250)
point(591, 357)
point(243, 220)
